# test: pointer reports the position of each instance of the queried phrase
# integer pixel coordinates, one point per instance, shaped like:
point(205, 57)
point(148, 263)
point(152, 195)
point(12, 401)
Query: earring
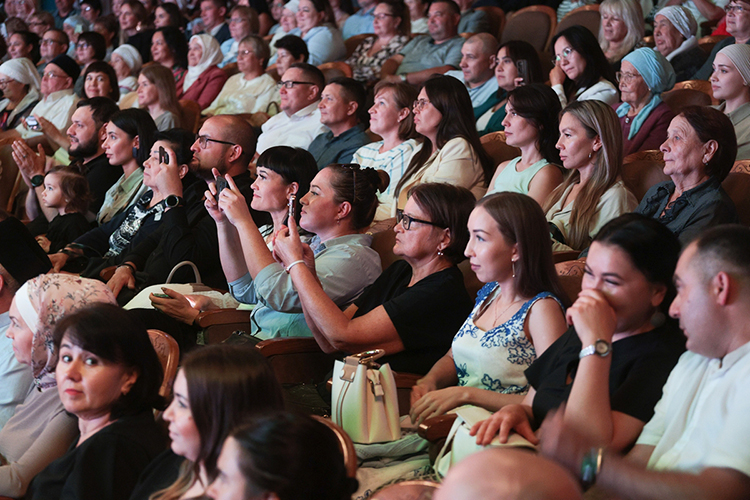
point(513, 262)
point(135, 152)
point(591, 154)
point(440, 252)
point(338, 222)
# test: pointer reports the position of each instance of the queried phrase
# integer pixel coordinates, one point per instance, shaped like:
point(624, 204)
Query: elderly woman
point(126, 61)
point(287, 22)
point(243, 22)
point(391, 27)
point(19, 81)
point(324, 41)
point(204, 79)
point(730, 82)
point(698, 155)
point(108, 375)
point(40, 431)
point(621, 29)
point(73, 26)
point(644, 117)
point(674, 34)
point(252, 89)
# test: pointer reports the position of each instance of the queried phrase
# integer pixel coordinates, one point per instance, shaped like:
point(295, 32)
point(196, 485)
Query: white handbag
point(364, 398)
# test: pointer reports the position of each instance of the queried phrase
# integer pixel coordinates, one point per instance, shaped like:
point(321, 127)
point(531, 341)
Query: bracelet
point(591, 466)
point(290, 266)
point(132, 269)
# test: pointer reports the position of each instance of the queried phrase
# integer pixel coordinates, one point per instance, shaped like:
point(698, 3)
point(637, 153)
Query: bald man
point(477, 71)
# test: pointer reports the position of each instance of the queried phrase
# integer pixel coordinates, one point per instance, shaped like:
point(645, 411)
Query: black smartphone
point(522, 65)
point(221, 184)
point(292, 200)
point(161, 295)
point(32, 123)
point(163, 155)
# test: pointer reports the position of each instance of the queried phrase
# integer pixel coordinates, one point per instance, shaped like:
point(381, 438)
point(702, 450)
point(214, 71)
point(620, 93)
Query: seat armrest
point(436, 428)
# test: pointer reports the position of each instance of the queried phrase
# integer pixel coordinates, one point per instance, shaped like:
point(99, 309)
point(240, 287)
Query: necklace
point(494, 302)
point(504, 311)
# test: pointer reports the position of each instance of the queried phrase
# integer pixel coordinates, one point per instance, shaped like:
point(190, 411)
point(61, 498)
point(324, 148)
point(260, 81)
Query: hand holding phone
point(221, 184)
point(292, 200)
point(32, 123)
point(522, 65)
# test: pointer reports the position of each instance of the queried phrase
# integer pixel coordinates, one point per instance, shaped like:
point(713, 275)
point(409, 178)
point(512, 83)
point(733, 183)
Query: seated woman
point(100, 80)
point(252, 89)
point(530, 125)
point(418, 15)
point(391, 118)
point(290, 49)
point(644, 117)
point(89, 48)
point(517, 314)
point(126, 61)
point(204, 79)
point(674, 35)
point(216, 389)
point(158, 95)
point(391, 28)
point(451, 151)
point(581, 70)
point(24, 44)
point(416, 306)
point(287, 22)
point(620, 348)
point(698, 154)
point(169, 14)
point(621, 29)
point(243, 22)
point(283, 456)
point(107, 244)
point(490, 115)
point(730, 82)
point(134, 27)
point(108, 375)
point(169, 48)
point(339, 205)
point(20, 91)
point(40, 430)
point(592, 194)
point(316, 26)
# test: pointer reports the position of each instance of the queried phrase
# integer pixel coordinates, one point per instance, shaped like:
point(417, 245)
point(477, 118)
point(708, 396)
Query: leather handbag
point(364, 398)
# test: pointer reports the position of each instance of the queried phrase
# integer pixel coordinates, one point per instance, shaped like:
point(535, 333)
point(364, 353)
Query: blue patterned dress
point(495, 360)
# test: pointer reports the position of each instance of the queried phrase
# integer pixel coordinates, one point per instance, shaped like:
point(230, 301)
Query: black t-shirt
point(160, 474)
point(640, 367)
point(426, 315)
point(101, 176)
point(65, 228)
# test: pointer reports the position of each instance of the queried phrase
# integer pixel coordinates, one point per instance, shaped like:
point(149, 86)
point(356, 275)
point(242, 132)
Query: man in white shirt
point(697, 445)
point(478, 68)
point(299, 122)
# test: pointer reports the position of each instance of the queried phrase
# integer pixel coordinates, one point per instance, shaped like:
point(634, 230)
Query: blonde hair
point(599, 120)
point(632, 15)
point(163, 79)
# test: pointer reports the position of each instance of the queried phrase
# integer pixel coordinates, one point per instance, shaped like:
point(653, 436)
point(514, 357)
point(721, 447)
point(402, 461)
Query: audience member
point(290, 49)
point(204, 79)
point(581, 70)
point(243, 22)
point(126, 61)
point(89, 48)
point(451, 151)
point(64, 10)
point(729, 83)
point(133, 28)
point(169, 48)
point(427, 55)
point(532, 126)
point(324, 42)
point(91, 10)
point(73, 26)
point(342, 9)
point(157, 95)
point(675, 37)
point(342, 103)
point(114, 403)
point(391, 29)
point(518, 314)
point(644, 117)
point(362, 21)
point(606, 372)
point(168, 14)
point(621, 29)
point(252, 90)
point(738, 26)
point(41, 22)
point(698, 155)
point(679, 454)
point(299, 122)
point(41, 430)
point(490, 114)
point(66, 194)
point(391, 118)
point(592, 194)
point(478, 62)
point(108, 27)
point(54, 43)
point(20, 83)
point(286, 24)
point(24, 44)
point(213, 15)
point(100, 80)
point(417, 15)
point(472, 21)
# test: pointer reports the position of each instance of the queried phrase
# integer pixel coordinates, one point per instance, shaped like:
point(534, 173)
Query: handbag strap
point(449, 440)
point(181, 264)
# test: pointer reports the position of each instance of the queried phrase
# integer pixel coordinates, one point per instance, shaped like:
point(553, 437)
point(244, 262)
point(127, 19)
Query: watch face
point(602, 347)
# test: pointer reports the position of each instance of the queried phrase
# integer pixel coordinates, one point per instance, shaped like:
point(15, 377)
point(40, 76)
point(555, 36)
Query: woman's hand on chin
point(556, 75)
point(592, 317)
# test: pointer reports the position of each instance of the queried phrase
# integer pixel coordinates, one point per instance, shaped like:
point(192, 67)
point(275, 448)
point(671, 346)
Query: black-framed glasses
point(288, 84)
point(406, 220)
point(204, 140)
point(737, 9)
point(354, 167)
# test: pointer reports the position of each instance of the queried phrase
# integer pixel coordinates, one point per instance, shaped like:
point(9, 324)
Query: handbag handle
point(366, 358)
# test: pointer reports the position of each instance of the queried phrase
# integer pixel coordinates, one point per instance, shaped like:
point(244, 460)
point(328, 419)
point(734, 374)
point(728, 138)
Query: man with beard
point(86, 135)
point(225, 143)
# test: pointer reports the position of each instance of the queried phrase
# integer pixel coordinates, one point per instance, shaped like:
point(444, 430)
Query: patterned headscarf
point(42, 302)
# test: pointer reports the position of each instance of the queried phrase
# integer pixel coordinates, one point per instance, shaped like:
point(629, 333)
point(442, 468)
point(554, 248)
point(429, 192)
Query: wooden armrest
point(297, 359)
point(406, 380)
point(288, 345)
point(222, 317)
point(436, 428)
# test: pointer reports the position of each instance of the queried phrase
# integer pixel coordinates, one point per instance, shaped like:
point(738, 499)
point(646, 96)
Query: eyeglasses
point(625, 77)
point(204, 140)
point(50, 74)
point(3, 83)
point(737, 9)
point(406, 220)
point(383, 16)
point(288, 84)
point(49, 41)
point(238, 20)
point(419, 104)
point(82, 45)
point(565, 55)
point(245, 52)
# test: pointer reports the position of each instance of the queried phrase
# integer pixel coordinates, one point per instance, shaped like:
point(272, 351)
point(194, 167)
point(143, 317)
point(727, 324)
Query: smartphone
point(221, 184)
point(32, 123)
point(292, 200)
point(163, 155)
point(161, 295)
point(522, 66)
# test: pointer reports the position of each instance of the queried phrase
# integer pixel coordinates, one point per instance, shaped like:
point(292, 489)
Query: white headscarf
point(23, 71)
point(684, 22)
point(211, 57)
point(130, 56)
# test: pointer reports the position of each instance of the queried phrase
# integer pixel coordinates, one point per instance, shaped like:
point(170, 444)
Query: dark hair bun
point(379, 179)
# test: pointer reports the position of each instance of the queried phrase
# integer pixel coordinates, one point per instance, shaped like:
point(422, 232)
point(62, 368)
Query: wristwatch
point(600, 347)
point(173, 201)
point(37, 180)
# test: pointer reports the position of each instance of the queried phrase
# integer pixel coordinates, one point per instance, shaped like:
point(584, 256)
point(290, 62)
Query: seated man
point(213, 14)
point(341, 105)
point(361, 21)
point(478, 68)
point(472, 21)
point(427, 55)
point(299, 122)
point(54, 43)
point(697, 445)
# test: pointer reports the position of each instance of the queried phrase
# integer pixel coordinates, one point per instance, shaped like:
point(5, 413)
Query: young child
point(67, 191)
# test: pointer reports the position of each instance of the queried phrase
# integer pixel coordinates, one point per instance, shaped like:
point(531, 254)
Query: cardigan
point(206, 87)
point(652, 133)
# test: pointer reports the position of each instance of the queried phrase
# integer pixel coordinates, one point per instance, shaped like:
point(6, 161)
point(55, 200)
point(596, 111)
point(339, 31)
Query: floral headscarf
point(42, 302)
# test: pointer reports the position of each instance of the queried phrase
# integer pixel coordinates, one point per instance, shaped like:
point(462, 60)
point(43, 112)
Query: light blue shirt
point(479, 95)
point(324, 43)
point(16, 378)
point(229, 50)
point(359, 23)
point(344, 265)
